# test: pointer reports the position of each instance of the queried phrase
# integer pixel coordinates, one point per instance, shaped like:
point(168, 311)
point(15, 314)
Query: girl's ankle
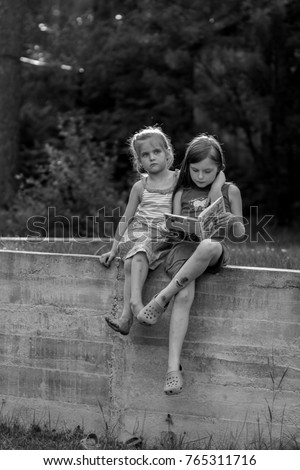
point(174, 366)
point(162, 299)
point(135, 303)
point(125, 316)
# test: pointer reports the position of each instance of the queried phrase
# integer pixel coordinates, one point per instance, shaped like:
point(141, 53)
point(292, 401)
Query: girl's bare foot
point(120, 325)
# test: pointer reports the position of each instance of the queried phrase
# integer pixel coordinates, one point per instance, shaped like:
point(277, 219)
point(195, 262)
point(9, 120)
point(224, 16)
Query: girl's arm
point(215, 190)
point(133, 202)
point(236, 220)
point(177, 203)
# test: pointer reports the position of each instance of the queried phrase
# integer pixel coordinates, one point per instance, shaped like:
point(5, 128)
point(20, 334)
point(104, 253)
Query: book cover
point(205, 226)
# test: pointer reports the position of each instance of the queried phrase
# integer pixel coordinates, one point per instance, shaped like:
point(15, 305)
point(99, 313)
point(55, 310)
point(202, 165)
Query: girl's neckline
point(158, 190)
point(206, 188)
point(194, 186)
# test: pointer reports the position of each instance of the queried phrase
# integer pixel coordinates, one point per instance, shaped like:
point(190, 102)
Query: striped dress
point(146, 231)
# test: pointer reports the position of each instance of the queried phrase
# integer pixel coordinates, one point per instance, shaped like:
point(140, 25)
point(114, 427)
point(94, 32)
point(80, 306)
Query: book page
point(188, 225)
point(209, 217)
point(203, 227)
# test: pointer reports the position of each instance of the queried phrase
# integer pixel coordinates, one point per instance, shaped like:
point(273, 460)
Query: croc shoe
point(150, 314)
point(173, 382)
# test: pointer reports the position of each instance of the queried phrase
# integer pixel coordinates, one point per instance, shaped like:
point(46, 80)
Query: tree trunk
point(11, 16)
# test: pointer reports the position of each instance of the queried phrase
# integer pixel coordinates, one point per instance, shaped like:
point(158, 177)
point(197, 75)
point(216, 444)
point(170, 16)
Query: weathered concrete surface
point(87, 246)
point(244, 328)
point(54, 345)
point(58, 357)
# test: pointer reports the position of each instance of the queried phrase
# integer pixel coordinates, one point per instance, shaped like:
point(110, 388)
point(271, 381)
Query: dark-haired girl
point(187, 260)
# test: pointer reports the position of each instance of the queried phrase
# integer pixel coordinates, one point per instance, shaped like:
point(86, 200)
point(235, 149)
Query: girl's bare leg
point(139, 273)
point(206, 254)
point(136, 271)
point(179, 324)
point(125, 320)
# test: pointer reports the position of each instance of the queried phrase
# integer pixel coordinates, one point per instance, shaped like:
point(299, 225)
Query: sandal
point(134, 442)
point(91, 442)
point(173, 382)
point(151, 313)
point(114, 323)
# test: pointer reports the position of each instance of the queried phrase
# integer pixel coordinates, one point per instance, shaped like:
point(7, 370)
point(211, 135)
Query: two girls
point(140, 237)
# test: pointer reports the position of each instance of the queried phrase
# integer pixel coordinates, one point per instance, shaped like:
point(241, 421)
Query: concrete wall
point(59, 360)
point(87, 246)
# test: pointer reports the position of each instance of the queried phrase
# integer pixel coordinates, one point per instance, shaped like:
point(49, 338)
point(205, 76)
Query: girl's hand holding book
point(225, 219)
point(233, 222)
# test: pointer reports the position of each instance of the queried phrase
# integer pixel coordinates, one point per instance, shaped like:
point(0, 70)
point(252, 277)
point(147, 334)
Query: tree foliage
point(229, 68)
point(72, 193)
point(10, 49)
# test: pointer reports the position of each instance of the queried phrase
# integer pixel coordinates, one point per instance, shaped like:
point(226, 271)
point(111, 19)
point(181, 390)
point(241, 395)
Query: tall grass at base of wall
point(16, 436)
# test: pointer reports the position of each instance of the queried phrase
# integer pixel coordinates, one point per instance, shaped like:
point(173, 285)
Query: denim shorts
point(182, 251)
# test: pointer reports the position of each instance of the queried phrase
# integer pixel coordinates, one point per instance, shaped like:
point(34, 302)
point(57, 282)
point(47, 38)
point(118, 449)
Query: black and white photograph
point(149, 232)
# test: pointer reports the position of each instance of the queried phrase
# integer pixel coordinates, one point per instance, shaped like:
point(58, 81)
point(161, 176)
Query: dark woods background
point(92, 72)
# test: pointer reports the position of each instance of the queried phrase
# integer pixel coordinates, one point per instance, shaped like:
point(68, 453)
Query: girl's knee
point(185, 296)
point(140, 256)
point(208, 249)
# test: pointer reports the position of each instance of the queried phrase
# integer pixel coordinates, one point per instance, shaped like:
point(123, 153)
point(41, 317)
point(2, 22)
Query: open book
point(203, 227)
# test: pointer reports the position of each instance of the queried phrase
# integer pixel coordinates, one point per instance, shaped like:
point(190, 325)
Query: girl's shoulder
point(231, 191)
point(174, 174)
point(138, 187)
point(232, 188)
point(143, 179)
point(179, 192)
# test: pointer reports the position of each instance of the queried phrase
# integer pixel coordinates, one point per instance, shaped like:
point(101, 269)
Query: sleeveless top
point(194, 200)
point(146, 233)
point(154, 203)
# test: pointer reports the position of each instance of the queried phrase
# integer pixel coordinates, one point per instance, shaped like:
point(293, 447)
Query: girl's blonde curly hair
point(146, 133)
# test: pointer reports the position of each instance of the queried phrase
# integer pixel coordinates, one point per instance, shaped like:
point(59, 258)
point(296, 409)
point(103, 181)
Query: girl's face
point(203, 173)
point(153, 155)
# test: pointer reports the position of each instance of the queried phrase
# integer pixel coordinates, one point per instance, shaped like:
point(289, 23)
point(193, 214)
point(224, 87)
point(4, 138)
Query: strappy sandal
point(151, 313)
point(173, 382)
point(115, 325)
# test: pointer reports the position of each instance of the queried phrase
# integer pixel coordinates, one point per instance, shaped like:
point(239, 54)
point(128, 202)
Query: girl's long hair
point(201, 147)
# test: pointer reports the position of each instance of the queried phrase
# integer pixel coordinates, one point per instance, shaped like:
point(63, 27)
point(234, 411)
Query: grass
point(282, 253)
point(15, 436)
